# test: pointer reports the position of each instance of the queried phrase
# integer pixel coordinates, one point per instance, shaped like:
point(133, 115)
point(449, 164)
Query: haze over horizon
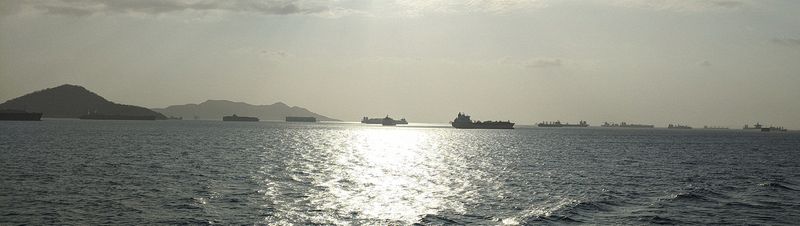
point(716, 62)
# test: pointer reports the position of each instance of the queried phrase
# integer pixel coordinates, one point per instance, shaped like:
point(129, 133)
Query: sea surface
point(222, 173)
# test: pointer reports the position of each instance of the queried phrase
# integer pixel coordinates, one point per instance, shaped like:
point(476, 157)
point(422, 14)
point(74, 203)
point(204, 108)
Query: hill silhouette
point(71, 101)
point(215, 109)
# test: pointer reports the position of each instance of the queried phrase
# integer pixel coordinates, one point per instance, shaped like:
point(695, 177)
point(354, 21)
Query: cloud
point(326, 9)
point(786, 41)
point(544, 63)
point(727, 4)
point(422, 7)
point(274, 54)
point(153, 7)
point(684, 5)
point(262, 53)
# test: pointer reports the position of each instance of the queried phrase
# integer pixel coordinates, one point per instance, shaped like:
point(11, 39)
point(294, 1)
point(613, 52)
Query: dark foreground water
point(195, 172)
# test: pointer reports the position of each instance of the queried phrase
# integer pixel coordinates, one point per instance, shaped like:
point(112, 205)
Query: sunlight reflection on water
point(199, 173)
point(391, 175)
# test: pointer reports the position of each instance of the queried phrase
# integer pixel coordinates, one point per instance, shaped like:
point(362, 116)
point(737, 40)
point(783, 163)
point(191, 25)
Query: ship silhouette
point(559, 124)
point(463, 121)
point(367, 120)
point(237, 118)
point(19, 115)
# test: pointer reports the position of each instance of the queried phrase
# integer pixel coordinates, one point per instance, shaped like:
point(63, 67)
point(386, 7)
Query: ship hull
point(300, 119)
point(118, 117)
point(501, 125)
point(773, 129)
point(380, 121)
point(562, 125)
point(21, 116)
point(548, 125)
point(631, 126)
point(239, 119)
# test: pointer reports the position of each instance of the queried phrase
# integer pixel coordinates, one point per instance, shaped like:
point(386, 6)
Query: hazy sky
point(710, 62)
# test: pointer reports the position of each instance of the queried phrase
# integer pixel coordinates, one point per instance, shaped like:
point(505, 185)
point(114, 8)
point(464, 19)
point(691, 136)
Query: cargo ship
point(367, 120)
point(387, 121)
point(715, 127)
point(774, 129)
point(236, 118)
point(463, 121)
point(756, 126)
point(559, 124)
point(300, 119)
point(19, 115)
point(678, 126)
point(626, 125)
point(762, 128)
point(117, 117)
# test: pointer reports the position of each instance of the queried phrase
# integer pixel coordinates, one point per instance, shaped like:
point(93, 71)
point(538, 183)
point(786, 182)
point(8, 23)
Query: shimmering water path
point(204, 172)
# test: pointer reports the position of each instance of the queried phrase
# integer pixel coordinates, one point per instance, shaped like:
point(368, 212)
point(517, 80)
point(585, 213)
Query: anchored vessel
point(19, 115)
point(300, 119)
point(367, 120)
point(626, 125)
point(774, 129)
point(756, 126)
point(239, 118)
point(94, 116)
point(762, 128)
point(463, 121)
point(387, 121)
point(559, 124)
point(715, 127)
point(678, 126)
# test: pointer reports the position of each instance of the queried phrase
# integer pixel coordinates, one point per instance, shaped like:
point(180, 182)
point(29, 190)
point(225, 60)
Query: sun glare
point(386, 168)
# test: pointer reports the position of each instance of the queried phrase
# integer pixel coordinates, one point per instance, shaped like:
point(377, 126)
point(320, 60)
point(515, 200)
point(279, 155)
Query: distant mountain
point(215, 109)
point(71, 101)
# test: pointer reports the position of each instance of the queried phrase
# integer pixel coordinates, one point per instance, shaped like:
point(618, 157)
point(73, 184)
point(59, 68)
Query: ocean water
point(207, 172)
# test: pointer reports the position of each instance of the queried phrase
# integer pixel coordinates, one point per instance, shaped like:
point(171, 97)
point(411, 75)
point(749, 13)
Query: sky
point(712, 62)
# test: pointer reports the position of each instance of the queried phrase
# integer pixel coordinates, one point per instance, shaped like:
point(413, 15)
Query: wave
point(697, 195)
point(182, 206)
point(554, 218)
point(592, 206)
point(655, 219)
point(434, 219)
point(688, 197)
point(187, 221)
point(455, 219)
point(740, 205)
point(565, 211)
point(776, 185)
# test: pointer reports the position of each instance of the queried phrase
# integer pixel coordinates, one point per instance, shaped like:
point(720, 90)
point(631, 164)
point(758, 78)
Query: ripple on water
point(776, 186)
point(201, 173)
